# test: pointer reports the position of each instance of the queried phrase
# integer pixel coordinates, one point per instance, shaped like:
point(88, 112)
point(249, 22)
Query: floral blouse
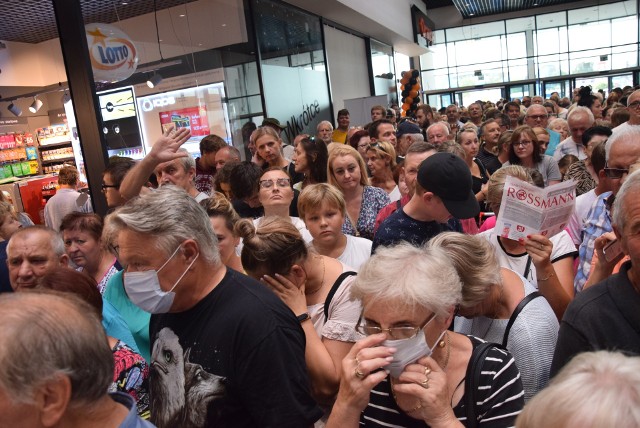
point(373, 200)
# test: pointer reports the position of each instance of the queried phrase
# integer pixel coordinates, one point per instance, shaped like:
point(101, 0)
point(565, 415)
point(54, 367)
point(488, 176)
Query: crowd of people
point(351, 278)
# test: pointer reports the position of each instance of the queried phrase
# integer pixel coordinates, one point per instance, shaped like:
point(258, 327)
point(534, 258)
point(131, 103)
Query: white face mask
point(409, 351)
point(143, 288)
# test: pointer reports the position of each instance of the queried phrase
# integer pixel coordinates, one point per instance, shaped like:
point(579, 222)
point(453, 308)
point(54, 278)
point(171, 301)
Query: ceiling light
point(471, 14)
point(124, 3)
point(224, 25)
point(14, 109)
point(182, 15)
point(154, 80)
point(35, 105)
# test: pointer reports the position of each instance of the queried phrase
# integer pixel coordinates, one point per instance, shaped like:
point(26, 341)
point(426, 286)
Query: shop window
point(293, 67)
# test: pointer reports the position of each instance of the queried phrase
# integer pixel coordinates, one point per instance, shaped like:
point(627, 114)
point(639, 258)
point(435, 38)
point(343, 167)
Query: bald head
point(537, 116)
point(33, 252)
point(71, 363)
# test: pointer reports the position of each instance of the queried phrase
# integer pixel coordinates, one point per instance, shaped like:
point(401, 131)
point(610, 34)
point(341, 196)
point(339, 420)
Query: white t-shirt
point(581, 209)
point(625, 125)
point(563, 247)
point(395, 194)
point(343, 313)
point(356, 252)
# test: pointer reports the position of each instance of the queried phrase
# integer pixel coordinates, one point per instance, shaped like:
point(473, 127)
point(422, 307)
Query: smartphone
point(612, 250)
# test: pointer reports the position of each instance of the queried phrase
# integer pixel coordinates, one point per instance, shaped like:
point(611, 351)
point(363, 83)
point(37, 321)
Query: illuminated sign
point(117, 104)
point(113, 55)
point(148, 104)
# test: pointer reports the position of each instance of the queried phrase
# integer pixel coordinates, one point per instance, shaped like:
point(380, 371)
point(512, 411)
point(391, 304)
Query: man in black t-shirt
point(443, 190)
point(225, 351)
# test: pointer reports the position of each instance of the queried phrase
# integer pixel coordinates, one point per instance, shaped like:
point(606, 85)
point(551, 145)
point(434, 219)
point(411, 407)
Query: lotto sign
point(113, 55)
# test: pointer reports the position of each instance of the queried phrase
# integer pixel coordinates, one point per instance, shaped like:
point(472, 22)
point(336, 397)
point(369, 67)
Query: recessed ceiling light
point(182, 15)
point(160, 40)
point(224, 25)
point(124, 3)
point(471, 14)
point(199, 44)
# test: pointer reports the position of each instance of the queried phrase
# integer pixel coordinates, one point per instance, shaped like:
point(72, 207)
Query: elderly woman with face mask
point(410, 371)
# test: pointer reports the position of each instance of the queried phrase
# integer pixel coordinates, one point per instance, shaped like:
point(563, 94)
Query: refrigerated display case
point(30, 195)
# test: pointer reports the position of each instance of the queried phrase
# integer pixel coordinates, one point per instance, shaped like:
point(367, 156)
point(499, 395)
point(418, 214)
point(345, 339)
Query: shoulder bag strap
point(333, 290)
point(524, 302)
point(527, 268)
point(472, 380)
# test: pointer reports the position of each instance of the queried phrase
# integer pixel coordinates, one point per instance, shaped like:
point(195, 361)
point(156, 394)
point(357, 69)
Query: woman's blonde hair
point(595, 389)
point(341, 150)
point(7, 208)
point(219, 206)
point(475, 261)
point(312, 197)
point(273, 247)
point(265, 130)
point(385, 150)
point(497, 180)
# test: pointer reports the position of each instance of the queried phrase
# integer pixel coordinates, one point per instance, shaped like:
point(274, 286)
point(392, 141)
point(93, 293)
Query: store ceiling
point(475, 8)
point(33, 21)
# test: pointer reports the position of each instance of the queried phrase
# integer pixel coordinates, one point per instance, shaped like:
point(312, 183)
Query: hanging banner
point(113, 55)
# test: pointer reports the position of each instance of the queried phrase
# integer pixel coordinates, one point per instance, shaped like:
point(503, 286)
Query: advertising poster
point(526, 209)
point(194, 118)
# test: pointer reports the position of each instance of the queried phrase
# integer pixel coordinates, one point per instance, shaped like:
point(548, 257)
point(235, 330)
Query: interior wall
point(347, 62)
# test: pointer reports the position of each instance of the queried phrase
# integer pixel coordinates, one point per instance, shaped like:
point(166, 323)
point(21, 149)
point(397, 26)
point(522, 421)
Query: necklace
point(442, 345)
point(311, 293)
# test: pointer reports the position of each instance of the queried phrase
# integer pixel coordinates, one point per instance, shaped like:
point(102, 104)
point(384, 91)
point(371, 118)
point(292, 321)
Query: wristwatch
point(303, 317)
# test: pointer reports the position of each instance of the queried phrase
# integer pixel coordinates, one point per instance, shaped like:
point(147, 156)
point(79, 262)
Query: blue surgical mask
point(143, 288)
point(408, 351)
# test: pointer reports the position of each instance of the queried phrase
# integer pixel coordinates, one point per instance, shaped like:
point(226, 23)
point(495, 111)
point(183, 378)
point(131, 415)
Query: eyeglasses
point(538, 116)
point(394, 332)
point(107, 186)
point(634, 104)
point(280, 182)
point(377, 146)
point(521, 143)
point(615, 173)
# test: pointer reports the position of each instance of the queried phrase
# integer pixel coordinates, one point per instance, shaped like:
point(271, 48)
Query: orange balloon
point(402, 87)
point(404, 80)
point(416, 87)
point(408, 100)
point(405, 106)
point(413, 93)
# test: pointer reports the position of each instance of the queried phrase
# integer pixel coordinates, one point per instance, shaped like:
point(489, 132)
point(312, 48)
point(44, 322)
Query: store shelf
point(60, 160)
point(44, 147)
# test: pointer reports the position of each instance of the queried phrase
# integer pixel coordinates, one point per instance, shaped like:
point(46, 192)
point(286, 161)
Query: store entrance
point(562, 87)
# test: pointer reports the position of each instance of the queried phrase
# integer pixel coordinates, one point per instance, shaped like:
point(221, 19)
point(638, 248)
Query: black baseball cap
point(448, 177)
point(407, 127)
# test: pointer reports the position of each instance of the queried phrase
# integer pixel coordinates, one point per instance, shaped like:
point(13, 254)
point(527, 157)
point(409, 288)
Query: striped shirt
point(500, 397)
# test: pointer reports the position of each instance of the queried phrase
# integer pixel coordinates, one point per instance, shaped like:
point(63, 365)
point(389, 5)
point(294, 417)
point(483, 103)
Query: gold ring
point(541, 247)
point(359, 374)
point(427, 370)
point(425, 383)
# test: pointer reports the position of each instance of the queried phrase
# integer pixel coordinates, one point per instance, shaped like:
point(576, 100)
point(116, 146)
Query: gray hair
point(630, 188)
point(580, 111)
point(628, 133)
point(408, 276)
point(445, 125)
point(324, 122)
point(187, 162)
point(475, 260)
point(595, 389)
point(53, 237)
point(169, 215)
point(64, 338)
point(557, 120)
point(637, 91)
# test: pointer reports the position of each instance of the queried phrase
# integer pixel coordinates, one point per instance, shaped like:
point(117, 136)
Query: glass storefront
point(580, 41)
